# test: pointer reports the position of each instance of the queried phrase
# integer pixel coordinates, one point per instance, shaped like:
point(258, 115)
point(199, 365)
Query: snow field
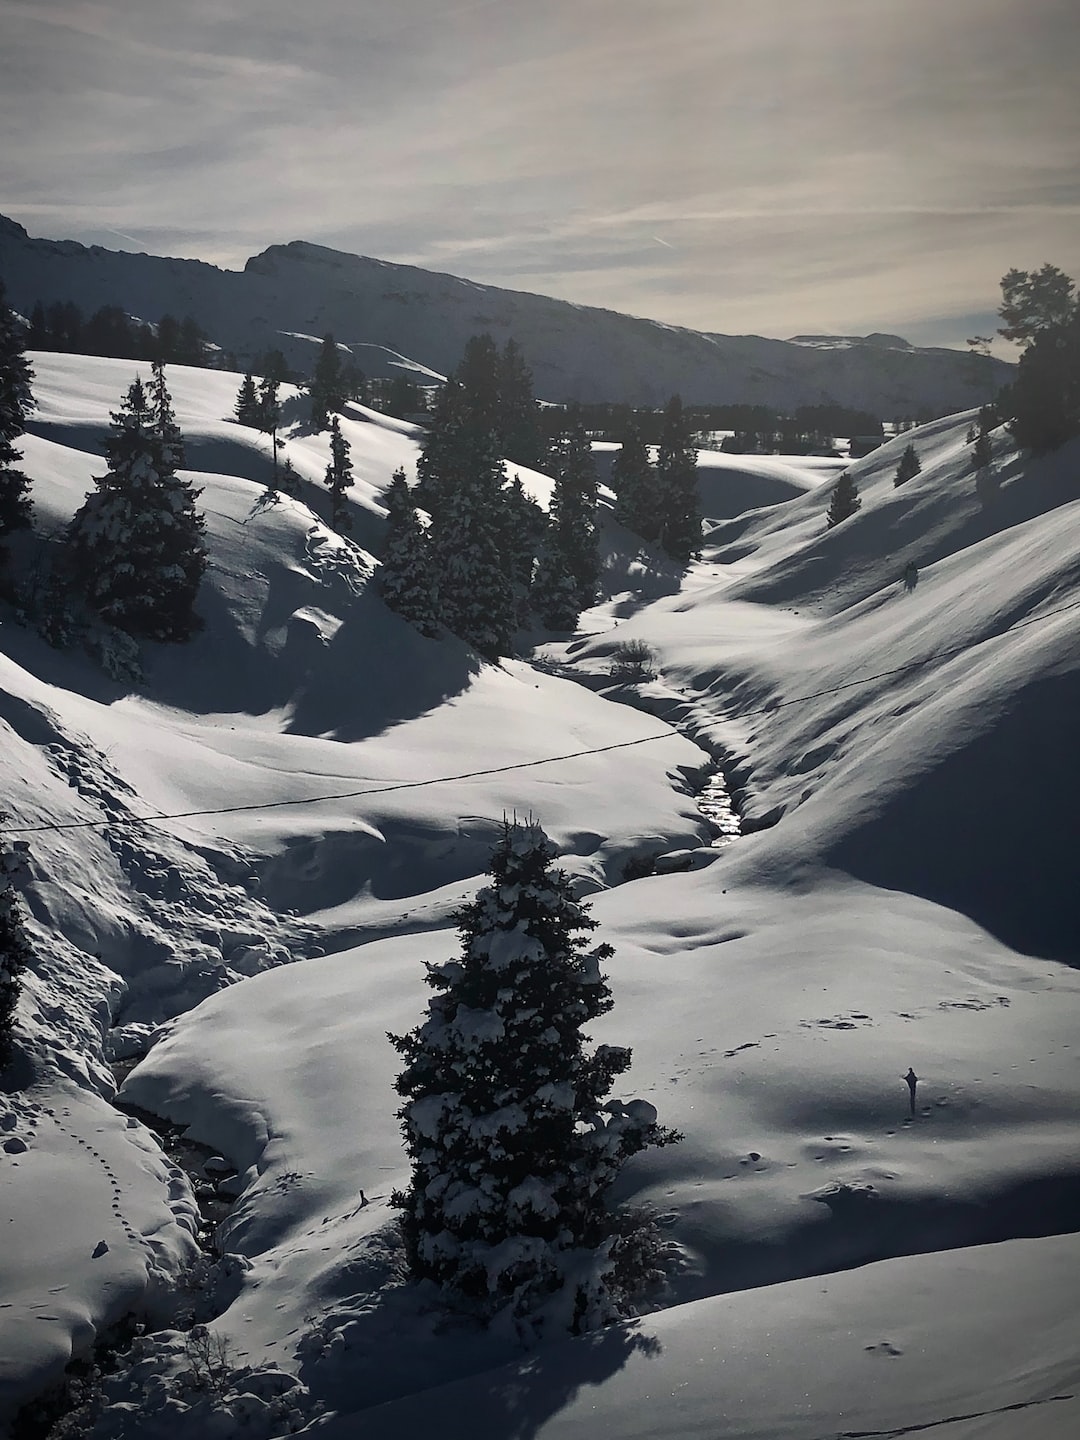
point(918, 843)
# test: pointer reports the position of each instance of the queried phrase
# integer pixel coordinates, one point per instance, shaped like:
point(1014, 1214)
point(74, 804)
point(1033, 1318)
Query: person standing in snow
point(912, 1080)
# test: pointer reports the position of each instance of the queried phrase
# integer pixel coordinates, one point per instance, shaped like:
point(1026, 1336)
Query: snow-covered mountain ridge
point(575, 351)
point(908, 902)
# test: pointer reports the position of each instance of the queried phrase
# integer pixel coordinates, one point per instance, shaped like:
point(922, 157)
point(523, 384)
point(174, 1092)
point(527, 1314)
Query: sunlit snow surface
point(912, 838)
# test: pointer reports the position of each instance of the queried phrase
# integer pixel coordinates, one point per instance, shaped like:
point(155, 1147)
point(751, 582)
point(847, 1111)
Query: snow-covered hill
point(903, 897)
point(290, 295)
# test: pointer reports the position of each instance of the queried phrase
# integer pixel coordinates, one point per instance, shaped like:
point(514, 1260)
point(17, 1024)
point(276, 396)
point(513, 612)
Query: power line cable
point(764, 710)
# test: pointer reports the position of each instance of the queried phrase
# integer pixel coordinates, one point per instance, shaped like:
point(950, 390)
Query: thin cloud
point(783, 167)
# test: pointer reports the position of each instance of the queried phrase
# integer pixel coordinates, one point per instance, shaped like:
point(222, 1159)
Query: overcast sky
point(769, 166)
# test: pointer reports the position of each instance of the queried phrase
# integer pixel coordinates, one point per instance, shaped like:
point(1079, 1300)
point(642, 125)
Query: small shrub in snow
point(513, 1144)
point(633, 660)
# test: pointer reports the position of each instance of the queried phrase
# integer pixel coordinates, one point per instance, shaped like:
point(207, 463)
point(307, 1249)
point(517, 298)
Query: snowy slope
point(906, 901)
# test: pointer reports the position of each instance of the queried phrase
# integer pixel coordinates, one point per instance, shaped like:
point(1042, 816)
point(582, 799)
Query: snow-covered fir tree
point(135, 546)
point(845, 500)
point(461, 480)
point(14, 943)
point(633, 479)
point(513, 1142)
point(678, 510)
point(909, 466)
point(247, 410)
point(16, 401)
point(339, 478)
point(405, 579)
point(524, 526)
point(473, 589)
point(554, 595)
point(573, 510)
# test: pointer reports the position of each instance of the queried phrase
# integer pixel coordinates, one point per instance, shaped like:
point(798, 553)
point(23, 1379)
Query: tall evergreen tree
point(327, 387)
point(678, 510)
point(339, 478)
point(634, 481)
point(16, 401)
point(460, 484)
point(573, 510)
point(135, 545)
point(478, 374)
point(473, 589)
point(247, 410)
point(554, 595)
point(519, 415)
point(908, 467)
point(14, 943)
point(524, 526)
point(845, 500)
point(405, 578)
point(514, 1145)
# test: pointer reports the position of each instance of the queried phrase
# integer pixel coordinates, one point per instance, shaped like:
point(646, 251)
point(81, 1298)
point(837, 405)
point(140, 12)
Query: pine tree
point(327, 386)
point(634, 481)
point(513, 1144)
point(554, 595)
point(473, 590)
point(479, 376)
point(16, 401)
point(524, 526)
point(573, 510)
point(845, 500)
point(405, 579)
point(135, 546)
point(519, 415)
point(908, 467)
point(679, 515)
point(461, 480)
point(339, 478)
point(247, 409)
point(14, 944)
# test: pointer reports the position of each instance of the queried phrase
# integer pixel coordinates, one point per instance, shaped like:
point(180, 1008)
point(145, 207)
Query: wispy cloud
point(781, 167)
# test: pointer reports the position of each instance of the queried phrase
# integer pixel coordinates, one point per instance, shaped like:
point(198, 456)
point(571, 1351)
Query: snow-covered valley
point(240, 865)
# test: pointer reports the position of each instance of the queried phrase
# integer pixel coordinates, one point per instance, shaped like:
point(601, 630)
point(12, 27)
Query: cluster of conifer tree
point(483, 556)
point(469, 550)
point(660, 502)
point(111, 331)
point(133, 554)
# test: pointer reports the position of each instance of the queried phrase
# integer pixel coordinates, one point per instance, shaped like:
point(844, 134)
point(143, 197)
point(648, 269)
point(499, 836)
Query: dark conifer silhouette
point(16, 402)
point(14, 942)
point(247, 409)
point(405, 579)
point(678, 511)
point(339, 478)
point(633, 479)
point(908, 467)
point(573, 510)
point(845, 500)
point(327, 388)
